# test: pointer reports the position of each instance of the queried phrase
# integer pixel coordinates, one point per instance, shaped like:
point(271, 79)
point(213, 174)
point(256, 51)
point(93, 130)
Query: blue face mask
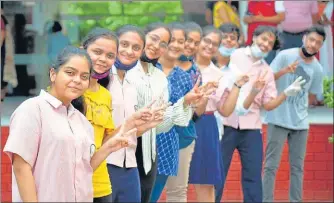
point(224, 51)
point(185, 58)
point(119, 65)
point(257, 53)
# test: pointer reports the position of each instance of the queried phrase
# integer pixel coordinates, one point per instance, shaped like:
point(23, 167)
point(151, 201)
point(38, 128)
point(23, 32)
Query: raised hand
point(120, 140)
point(243, 79)
point(295, 87)
point(193, 95)
point(260, 81)
point(292, 67)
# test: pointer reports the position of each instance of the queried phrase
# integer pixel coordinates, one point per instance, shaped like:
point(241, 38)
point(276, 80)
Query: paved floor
point(318, 115)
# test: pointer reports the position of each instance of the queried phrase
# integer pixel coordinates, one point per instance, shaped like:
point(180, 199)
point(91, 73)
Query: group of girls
point(125, 115)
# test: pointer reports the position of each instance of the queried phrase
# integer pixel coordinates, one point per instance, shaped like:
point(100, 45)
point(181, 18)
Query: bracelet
point(235, 84)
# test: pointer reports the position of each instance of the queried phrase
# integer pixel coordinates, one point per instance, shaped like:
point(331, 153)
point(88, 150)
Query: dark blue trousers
point(125, 184)
point(250, 147)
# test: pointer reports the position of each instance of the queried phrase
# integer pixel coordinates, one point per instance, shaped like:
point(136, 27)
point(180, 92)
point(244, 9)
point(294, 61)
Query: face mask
point(119, 65)
point(185, 58)
point(306, 54)
point(144, 58)
point(226, 51)
point(99, 76)
point(256, 52)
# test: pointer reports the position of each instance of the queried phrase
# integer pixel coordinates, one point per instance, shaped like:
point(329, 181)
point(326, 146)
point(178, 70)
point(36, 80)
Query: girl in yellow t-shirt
point(101, 45)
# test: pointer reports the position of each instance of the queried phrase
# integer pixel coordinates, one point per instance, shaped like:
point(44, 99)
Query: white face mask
point(256, 51)
point(226, 51)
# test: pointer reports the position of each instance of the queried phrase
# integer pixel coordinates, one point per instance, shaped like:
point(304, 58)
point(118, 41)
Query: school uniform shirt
point(124, 101)
point(57, 142)
point(179, 84)
point(98, 113)
point(188, 134)
point(151, 86)
point(293, 112)
point(243, 64)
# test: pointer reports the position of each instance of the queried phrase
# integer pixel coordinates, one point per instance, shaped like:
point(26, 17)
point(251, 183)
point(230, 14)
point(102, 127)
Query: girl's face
point(130, 48)
point(192, 43)
point(176, 45)
point(72, 78)
point(209, 45)
point(103, 54)
point(156, 43)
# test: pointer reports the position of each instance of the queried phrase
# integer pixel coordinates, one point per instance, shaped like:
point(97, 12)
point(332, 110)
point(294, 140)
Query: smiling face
point(156, 43)
point(265, 41)
point(103, 54)
point(192, 43)
point(209, 45)
point(176, 45)
point(130, 47)
point(72, 78)
point(229, 40)
point(313, 42)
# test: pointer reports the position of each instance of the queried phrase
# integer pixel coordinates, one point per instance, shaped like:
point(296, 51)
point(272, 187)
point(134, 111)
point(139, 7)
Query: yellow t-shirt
point(98, 112)
point(217, 21)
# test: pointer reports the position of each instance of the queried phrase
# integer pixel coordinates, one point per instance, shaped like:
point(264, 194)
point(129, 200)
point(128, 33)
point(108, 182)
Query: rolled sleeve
point(24, 132)
point(270, 91)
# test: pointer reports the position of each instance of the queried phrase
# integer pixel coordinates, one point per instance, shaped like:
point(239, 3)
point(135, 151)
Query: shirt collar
point(249, 54)
point(54, 102)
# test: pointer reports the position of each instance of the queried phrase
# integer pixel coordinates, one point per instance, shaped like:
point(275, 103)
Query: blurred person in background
point(57, 41)
point(227, 12)
point(299, 16)
point(270, 13)
point(8, 72)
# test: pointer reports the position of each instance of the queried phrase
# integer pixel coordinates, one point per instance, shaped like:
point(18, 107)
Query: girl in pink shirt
point(51, 144)
point(205, 168)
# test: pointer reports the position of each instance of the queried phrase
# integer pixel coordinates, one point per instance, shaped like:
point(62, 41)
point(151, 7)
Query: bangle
point(235, 84)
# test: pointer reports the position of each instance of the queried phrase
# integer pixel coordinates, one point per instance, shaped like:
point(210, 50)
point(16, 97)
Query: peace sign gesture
point(260, 81)
point(292, 67)
point(195, 94)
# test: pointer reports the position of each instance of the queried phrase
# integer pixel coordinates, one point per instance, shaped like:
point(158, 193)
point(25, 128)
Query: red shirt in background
point(266, 8)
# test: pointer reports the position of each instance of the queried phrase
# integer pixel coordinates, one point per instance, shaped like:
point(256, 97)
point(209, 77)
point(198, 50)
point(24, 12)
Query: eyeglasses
point(156, 40)
point(208, 41)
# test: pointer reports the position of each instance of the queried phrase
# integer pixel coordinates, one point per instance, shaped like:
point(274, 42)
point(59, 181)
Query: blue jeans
point(125, 184)
point(250, 147)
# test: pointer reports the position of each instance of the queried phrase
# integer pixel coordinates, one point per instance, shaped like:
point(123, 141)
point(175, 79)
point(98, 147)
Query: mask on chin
point(99, 76)
point(119, 65)
point(305, 53)
point(226, 51)
point(257, 53)
point(144, 58)
point(184, 58)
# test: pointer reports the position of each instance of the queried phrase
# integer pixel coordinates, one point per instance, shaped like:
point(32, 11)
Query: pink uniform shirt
point(242, 61)
point(57, 142)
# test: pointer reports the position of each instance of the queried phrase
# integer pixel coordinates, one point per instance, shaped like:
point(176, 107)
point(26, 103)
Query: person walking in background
point(56, 40)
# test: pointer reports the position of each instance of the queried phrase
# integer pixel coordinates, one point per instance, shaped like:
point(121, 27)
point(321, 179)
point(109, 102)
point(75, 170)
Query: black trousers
point(146, 180)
